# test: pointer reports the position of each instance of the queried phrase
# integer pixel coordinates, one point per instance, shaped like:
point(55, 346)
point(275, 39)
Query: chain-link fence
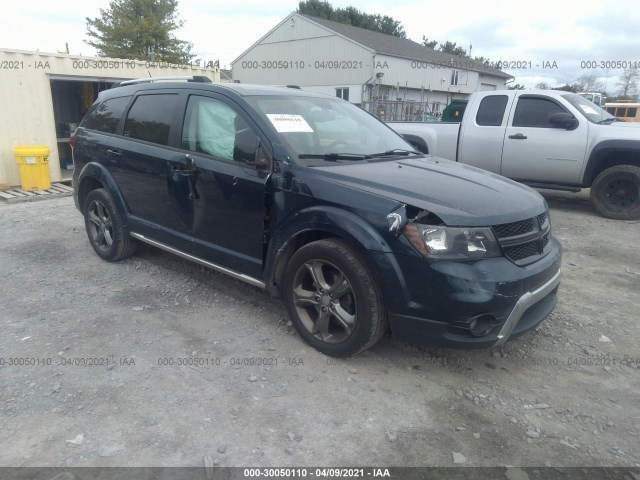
point(402, 110)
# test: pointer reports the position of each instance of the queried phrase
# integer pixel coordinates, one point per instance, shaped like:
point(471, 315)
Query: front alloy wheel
point(324, 301)
point(332, 299)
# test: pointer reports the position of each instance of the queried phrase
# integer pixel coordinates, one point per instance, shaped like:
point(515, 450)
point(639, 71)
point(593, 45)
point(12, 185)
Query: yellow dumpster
point(33, 162)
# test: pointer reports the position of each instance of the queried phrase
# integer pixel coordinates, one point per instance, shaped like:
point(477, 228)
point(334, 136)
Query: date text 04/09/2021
point(324, 472)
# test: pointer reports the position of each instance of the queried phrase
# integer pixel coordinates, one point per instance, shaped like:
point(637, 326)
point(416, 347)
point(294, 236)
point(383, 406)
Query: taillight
point(73, 140)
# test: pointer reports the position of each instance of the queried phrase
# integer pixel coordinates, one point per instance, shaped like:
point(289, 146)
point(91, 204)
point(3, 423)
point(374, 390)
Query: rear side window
point(491, 110)
point(149, 118)
point(105, 116)
point(535, 112)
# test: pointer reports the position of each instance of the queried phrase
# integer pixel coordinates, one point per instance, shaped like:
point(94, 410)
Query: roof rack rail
point(194, 78)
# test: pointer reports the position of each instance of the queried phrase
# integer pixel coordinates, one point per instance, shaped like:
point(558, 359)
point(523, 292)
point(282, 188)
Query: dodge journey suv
point(318, 202)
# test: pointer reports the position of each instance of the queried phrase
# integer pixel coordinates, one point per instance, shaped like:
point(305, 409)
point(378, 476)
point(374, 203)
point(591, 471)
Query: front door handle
point(114, 153)
point(518, 136)
point(184, 165)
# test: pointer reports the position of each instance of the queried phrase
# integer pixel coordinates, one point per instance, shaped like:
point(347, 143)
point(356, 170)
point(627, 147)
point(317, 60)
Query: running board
point(553, 186)
point(238, 276)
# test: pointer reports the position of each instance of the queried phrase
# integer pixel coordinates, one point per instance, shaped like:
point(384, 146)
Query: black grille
point(542, 218)
point(514, 229)
point(524, 242)
point(524, 250)
point(545, 241)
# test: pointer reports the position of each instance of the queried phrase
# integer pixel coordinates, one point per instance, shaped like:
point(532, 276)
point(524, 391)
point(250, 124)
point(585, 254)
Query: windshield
point(589, 110)
point(329, 129)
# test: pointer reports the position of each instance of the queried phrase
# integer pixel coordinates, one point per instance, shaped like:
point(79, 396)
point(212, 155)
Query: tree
point(567, 88)
point(429, 43)
point(628, 83)
point(352, 16)
point(139, 30)
point(484, 60)
point(452, 48)
point(515, 86)
point(588, 83)
point(543, 86)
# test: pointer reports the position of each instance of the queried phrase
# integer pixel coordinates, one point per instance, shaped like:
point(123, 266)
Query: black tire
point(332, 299)
point(615, 193)
point(105, 227)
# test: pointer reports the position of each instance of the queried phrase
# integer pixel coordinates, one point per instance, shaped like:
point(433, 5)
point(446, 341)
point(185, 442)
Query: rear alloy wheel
point(105, 228)
point(332, 299)
point(616, 192)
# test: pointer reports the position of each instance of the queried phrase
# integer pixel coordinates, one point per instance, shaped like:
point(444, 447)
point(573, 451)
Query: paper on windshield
point(588, 109)
point(289, 123)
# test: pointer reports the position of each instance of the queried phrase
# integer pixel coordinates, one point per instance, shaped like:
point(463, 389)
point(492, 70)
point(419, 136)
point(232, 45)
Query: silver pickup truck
point(545, 139)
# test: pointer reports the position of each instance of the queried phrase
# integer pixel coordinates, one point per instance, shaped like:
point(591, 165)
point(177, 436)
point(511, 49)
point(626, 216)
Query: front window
point(213, 128)
point(535, 112)
point(317, 127)
point(589, 110)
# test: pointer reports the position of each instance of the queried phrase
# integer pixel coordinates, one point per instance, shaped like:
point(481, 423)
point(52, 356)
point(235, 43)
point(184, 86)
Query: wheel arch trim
point(601, 151)
point(98, 172)
point(325, 222)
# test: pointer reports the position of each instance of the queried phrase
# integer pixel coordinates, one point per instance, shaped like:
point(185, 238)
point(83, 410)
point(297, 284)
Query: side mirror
point(262, 160)
point(563, 120)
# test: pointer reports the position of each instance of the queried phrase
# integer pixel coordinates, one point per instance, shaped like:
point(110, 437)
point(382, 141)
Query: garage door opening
point(71, 99)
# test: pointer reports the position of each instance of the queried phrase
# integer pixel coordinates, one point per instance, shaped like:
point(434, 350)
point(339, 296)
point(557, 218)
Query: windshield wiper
point(334, 156)
point(610, 120)
point(394, 152)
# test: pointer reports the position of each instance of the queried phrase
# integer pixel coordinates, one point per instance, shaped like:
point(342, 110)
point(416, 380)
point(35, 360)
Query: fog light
point(481, 325)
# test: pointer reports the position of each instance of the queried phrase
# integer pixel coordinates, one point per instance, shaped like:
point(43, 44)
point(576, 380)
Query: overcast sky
point(540, 32)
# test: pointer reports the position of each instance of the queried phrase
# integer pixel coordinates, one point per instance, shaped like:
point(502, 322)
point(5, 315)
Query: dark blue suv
point(317, 201)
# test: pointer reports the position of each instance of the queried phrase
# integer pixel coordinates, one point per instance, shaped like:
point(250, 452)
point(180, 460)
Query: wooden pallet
point(16, 195)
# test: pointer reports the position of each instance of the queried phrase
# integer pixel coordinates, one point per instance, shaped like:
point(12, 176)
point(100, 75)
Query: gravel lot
point(100, 379)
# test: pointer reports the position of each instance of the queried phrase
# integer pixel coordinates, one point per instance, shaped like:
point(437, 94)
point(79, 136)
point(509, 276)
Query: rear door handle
point(518, 136)
point(114, 153)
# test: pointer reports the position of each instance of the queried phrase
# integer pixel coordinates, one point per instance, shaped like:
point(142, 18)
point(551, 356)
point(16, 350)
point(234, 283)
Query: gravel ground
point(154, 361)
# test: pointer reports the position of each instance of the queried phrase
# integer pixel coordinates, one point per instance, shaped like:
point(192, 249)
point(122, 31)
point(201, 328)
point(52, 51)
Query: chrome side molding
point(213, 266)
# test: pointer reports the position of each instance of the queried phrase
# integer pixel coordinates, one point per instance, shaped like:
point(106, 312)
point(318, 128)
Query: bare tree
point(588, 83)
point(628, 83)
point(543, 86)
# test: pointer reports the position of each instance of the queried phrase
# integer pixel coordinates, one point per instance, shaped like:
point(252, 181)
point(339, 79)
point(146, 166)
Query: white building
point(43, 96)
point(365, 67)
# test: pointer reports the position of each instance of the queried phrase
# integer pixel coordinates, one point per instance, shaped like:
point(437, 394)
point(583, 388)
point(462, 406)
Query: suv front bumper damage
point(439, 308)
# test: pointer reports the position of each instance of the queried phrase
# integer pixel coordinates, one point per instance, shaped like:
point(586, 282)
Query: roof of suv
point(239, 89)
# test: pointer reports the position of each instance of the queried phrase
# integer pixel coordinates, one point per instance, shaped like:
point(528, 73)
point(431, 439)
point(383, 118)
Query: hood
point(459, 194)
point(635, 125)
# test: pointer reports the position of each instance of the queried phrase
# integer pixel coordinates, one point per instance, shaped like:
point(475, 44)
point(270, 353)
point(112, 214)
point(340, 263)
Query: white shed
point(45, 95)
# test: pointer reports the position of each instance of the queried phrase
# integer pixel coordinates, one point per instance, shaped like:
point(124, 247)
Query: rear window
point(105, 116)
point(149, 118)
point(491, 110)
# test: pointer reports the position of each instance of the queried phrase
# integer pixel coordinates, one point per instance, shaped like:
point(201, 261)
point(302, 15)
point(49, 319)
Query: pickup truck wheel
point(105, 227)
point(616, 192)
point(332, 299)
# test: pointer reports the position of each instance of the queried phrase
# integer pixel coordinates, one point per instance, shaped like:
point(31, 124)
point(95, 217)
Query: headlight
point(440, 242)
